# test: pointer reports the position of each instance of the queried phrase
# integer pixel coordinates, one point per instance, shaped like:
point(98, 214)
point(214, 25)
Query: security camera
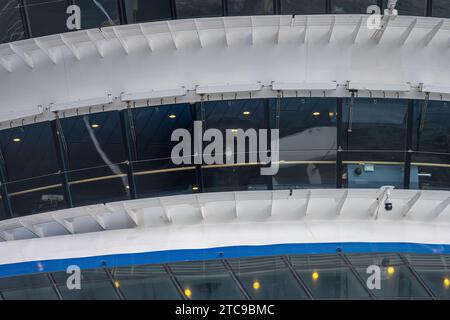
point(387, 202)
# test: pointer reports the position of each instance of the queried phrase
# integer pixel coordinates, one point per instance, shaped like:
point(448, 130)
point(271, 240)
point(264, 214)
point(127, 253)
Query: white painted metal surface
point(412, 53)
point(227, 219)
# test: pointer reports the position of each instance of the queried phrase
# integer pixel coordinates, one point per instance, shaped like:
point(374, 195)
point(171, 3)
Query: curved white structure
point(261, 56)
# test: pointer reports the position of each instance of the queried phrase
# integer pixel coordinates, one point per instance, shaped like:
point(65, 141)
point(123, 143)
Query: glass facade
point(21, 19)
point(323, 143)
point(293, 277)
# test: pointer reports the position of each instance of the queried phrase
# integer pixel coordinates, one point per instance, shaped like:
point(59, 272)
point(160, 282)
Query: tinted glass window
point(250, 7)
point(352, 6)
point(147, 10)
point(441, 8)
point(145, 282)
point(96, 157)
point(267, 278)
point(46, 17)
point(32, 169)
point(303, 7)
point(29, 287)
point(410, 7)
point(307, 142)
point(155, 172)
point(327, 276)
point(198, 8)
point(99, 13)
point(206, 280)
point(430, 171)
point(11, 27)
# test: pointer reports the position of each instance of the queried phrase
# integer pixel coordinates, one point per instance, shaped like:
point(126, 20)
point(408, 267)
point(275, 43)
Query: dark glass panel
point(267, 278)
point(435, 271)
point(29, 287)
point(98, 13)
point(397, 280)
point(434, 135)
point(410, 7)
point(205, 280)
point(352, 6)
point(47, 17)
point(147, 282)
point(198, 8)
point(328, 277)
point(11, 27)
point(303, 7)
point(228, 116)
point(373, 169)
point(155, 172)
point(96, 158)
point(377, 124)
point(432, 171)
point(441, 8)
point(307, 142)
point(147, 10)
point(32, 168)
point(250, 7)
point(95, 285)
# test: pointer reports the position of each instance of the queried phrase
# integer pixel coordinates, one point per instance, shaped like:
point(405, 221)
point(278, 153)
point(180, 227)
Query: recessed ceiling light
point(17, 139)
point(246, 113)
point(315, 275)
point(172, 116)
point(256, 285)
point(316, 113)
point(95, 125)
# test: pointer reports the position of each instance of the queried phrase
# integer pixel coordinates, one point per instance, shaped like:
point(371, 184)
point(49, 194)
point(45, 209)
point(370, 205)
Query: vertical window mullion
point(24, 17)
point(129, 143)
point(4, 188)
point(196, 116)
point(340, 140)
point(408, 146)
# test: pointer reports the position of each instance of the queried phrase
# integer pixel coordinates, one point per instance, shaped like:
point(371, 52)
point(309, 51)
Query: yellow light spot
point(187, 292)
point(116, 283)
point(316, 113)
point(234, 130)
point(315, 275)
point(256, 285)
point(446, 283)
point(390, 271)
point(95, 125)
point(172, 116)
point(246, 113)
point(194, 188)
point(331, 114)
point(17, 139)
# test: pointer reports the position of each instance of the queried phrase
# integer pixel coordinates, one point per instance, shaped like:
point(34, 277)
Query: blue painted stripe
point(156, 257)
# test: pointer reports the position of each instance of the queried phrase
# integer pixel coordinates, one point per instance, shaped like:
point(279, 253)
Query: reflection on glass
point(11, 27)
point(373, 169)
point(95, 285)
point(98, 13)
point(327, 276)
point(29, 287)
point(397, 281)
point(435, 271)
point(410, 7)
point(198, 8)
point(431, 170)
point(303, 7)
point(267, 278)
point(441, 9)
point(206, 280)
point(147, 282)
point(352, 6)
point(374, 124)
point(147, 10)
point(95, 142)
point(46, 17)
point(155, 173)
point(250, 7)
point(307, 142)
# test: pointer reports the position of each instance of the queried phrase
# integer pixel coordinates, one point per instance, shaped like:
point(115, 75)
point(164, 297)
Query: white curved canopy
point(222, 58)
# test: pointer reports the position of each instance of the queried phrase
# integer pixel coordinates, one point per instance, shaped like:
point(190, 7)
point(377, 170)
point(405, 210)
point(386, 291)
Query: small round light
point(116, 283)
point(194, 188)
point(95, 125)
point(256, 285)
point(234, 130)
point(172, 116)
point(17, 139)
point(316, 113)
point(446, 282)
point(315, 275)
point(127, 187)
point(246, 113)
point(331, 114)
point(187, 292)
point(390, 270)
